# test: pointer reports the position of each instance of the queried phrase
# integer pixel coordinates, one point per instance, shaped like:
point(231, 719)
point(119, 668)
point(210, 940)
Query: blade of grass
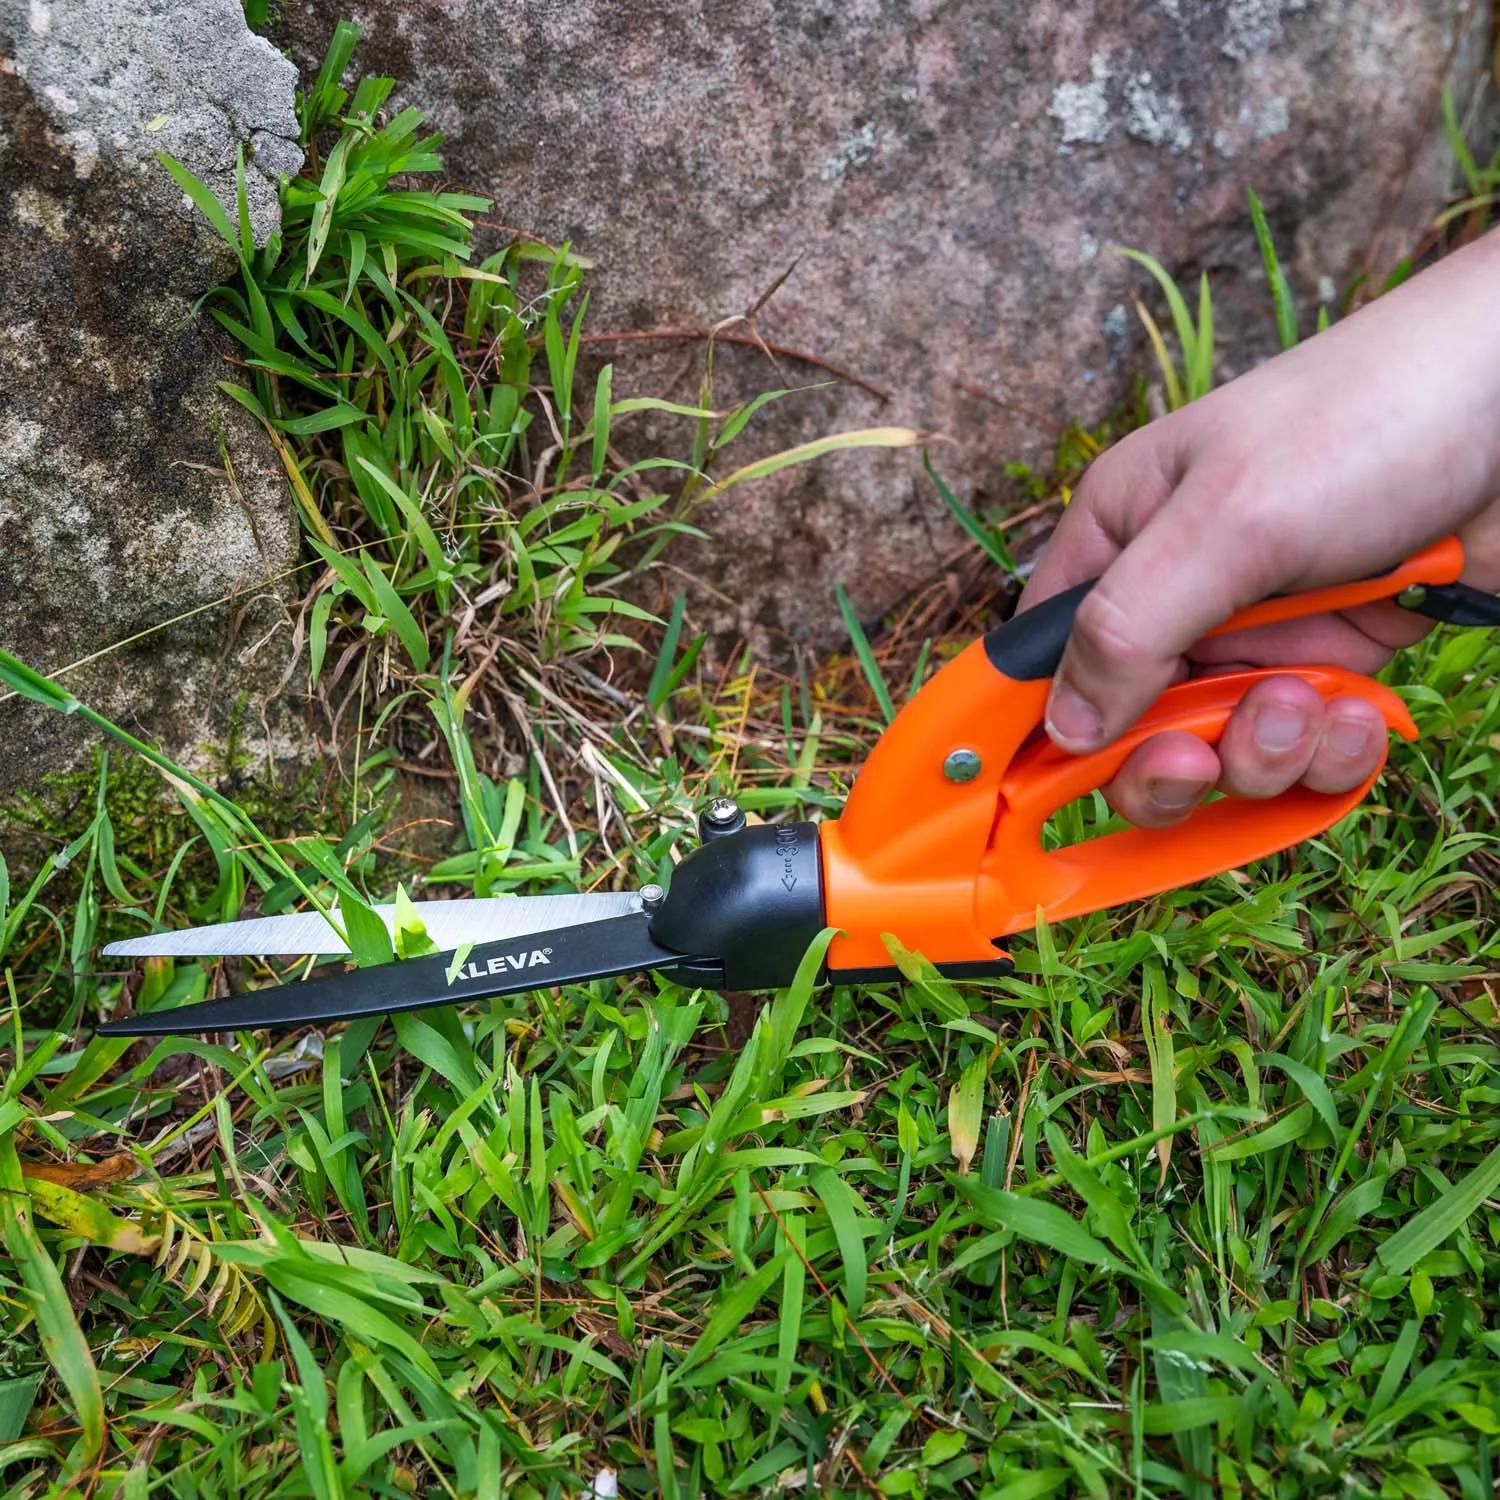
point(1442, 1218)
point(1282, 301)
point(867, 662)
point(871, 437)
point(63, 1342)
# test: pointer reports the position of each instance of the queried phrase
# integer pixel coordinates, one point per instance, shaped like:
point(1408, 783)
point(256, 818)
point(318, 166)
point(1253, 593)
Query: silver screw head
point(1413, 597)
point(962, 765)
point(652, 896)
point(722, 810)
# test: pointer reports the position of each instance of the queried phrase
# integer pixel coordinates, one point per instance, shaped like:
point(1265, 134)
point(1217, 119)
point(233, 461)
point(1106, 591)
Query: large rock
point(132, 491)
point(950, 175)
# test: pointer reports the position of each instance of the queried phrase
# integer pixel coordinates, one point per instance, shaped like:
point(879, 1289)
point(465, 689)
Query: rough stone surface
point(950, 174)
point(132, 491)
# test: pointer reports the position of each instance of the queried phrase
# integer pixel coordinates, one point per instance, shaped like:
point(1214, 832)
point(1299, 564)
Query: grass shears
point(940, 845)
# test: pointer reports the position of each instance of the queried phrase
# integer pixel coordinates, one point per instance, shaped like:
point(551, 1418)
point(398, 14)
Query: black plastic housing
point(753, 898)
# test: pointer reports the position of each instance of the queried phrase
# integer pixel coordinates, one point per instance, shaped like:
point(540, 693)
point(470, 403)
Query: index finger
point(1123, 488)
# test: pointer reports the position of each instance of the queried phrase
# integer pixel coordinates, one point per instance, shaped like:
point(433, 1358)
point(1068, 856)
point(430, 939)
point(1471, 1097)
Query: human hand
point(1331, 462)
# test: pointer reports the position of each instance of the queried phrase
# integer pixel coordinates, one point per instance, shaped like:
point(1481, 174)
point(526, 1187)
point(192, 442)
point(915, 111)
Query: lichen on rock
point(1083, 108)
point(1155, 117)
point(1255, 26)
point(145, 522)
point(124, 80)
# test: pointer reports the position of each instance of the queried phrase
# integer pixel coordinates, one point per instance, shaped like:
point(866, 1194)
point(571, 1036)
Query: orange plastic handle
point(1442, 562)
point(949, 865)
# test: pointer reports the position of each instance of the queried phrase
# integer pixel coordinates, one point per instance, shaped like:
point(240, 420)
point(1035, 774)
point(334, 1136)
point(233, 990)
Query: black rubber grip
point(1030, 645)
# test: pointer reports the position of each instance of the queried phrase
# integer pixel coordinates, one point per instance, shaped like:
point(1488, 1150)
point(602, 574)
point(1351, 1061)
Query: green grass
point(1225, 1227)
point(1202, 1202)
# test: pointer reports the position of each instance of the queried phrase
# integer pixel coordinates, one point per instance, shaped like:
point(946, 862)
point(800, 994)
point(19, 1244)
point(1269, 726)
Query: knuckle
point(1254, 780)
point(1263, 552)
point(1110, 633)
point(1127, 484)
point(1333, 778)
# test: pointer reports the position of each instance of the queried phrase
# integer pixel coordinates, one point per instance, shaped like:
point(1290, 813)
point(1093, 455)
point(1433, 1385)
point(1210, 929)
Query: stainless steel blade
point(591, 950)
point(449, 924)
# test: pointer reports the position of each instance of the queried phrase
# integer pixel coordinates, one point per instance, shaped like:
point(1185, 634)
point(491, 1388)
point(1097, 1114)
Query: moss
point(149, 826)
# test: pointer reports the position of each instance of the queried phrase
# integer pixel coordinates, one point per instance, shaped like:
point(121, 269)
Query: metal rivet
point(1412, 598)
point(652, 896)
point(722, 810)
point(962, 765)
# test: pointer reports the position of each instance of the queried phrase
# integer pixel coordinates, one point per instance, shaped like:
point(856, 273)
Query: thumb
point(1176, 580)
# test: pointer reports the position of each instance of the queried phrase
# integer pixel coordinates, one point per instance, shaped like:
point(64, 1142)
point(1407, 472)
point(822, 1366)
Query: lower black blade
point(592, 950)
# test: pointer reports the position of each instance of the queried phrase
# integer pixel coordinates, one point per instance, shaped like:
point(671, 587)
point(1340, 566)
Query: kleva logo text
point(504, 963)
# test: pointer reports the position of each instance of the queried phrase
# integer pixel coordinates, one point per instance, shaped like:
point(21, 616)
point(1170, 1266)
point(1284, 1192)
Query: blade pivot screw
point(1413, 597)
point(962, 765)
point(722, 816)
point(652, 896)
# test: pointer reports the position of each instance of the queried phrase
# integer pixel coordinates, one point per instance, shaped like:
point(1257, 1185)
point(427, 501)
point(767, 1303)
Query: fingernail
point(1350, 737)
point(1174, 796)
point(1073, 719)
point(1279, 728)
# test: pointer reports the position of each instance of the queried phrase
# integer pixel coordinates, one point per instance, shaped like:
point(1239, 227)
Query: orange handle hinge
point(940, 844)
point(905, 856)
